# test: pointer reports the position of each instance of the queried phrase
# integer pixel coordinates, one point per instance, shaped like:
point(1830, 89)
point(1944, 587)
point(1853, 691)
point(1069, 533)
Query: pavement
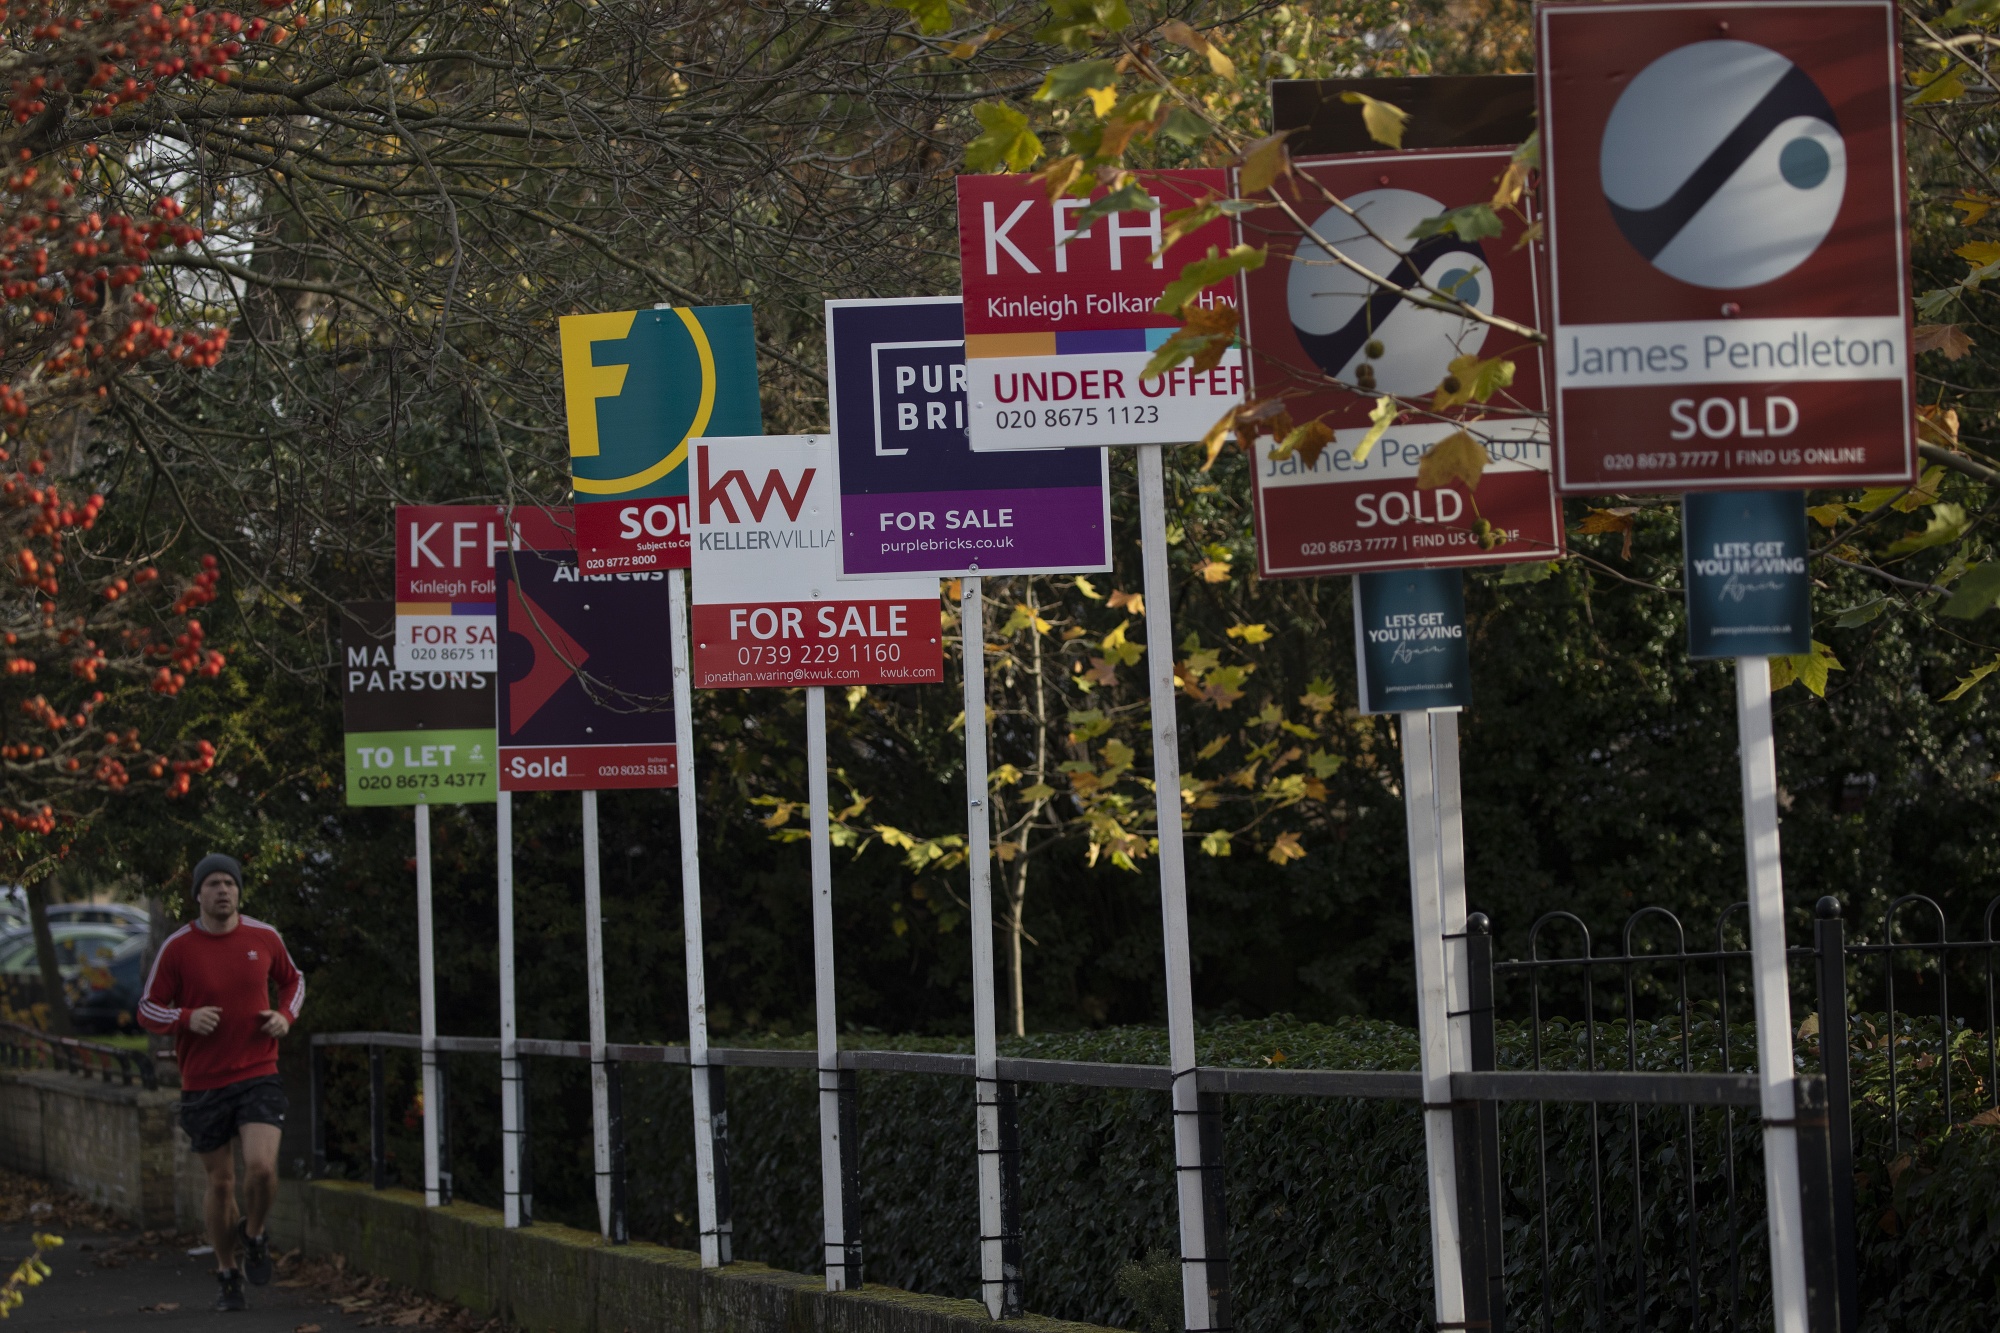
point(113, 1281)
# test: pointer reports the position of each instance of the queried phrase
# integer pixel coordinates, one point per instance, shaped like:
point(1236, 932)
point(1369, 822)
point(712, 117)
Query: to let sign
point(769, 606)
point(586, 698)
point(444, 579)
point(1060, 319)
point(914, 497)
point(1727, 245)
point(411, 737)
point(1314, 326)
point(637, 386)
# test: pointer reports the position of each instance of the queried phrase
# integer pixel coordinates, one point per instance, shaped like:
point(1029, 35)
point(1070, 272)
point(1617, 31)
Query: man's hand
point(275, 1023)
point(204, 1020)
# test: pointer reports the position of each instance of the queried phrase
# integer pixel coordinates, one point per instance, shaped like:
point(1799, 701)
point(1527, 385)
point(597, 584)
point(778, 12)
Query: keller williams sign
point(1060, 319)
point(769, 606)
point(1727, 243)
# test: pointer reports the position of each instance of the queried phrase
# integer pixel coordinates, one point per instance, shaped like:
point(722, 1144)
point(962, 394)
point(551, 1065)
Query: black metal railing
point(23, 1047)
point(1606, 1123)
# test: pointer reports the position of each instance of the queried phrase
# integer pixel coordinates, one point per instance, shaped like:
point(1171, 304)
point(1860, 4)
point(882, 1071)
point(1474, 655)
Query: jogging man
point(211, 987)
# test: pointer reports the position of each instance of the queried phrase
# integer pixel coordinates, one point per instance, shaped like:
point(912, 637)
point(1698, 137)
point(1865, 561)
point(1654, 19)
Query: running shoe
point(256, 1254)
point(231, 1295)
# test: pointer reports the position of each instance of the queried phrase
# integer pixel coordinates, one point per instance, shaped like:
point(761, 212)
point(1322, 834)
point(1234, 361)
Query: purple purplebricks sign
point(914, 497)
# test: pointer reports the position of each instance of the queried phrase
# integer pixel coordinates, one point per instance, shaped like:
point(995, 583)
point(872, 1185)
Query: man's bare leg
point(219, 1207)
point(260, 1174)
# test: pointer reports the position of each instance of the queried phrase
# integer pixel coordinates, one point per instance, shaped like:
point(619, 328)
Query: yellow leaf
point(1809, 669)
point(1468, 379)
point(1809, 1028)
point(1217, 436)
point(1385, 122)
point(1060, 175)
point(1512, 182)
point(1249, 633)
point(1181, 34)
point(1457, 457)
point(1041, 791)
point(1380, 418)
point(1083, 586)
point(1286, 849)
point(1213, 571)
point(1827, 516)
point(1979, 253)
point(1966, 683)
point(1938, 425)
point(1135, 602)
point(1213, 748)
point(1102, 99)
point(1975, 207)
point(1611, 520)
point(1308, 442)
point(1940, 85)
point(1263, 162)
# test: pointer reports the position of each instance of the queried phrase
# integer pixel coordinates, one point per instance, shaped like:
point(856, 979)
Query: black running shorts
point(212, 1116)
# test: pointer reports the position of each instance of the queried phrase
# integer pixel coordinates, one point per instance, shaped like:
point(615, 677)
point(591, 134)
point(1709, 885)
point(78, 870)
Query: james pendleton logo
point(1723, 164)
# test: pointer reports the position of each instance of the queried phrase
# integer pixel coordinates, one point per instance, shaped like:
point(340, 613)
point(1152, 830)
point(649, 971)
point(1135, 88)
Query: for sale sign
point(1727, 240)
point(444, 578)
point(412, 737)
point(1060, 319)
point(586, 687)
point(769, 606)
point(1313, 325)
point(914, 497)
point(637, 386)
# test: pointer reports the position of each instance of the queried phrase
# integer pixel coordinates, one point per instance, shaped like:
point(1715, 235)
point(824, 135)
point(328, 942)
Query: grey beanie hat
point(214, 862)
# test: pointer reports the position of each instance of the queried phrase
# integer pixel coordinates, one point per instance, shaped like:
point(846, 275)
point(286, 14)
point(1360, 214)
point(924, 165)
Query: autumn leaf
point(1135, 602)
point(1457, 457)
point(1262, 163)
point(1199, 274)
point(1213, 748)
point(1213, 571)
point(1975, 207)
point(1083, 585)
point(1513, 181)
point(1949, 339)
point(1286, 849)
point(1041, 791)
point(1827, 515)
point(1948, 523)
point(1938, 425)
point(1383, 120)
point(1968, 682)
point(1006, 143)
point(1120, 649)
point(1611, 520)
point(1249, 633)
point(1946, 83)
point(1322, 764)
point(1979, 253)
point(1809, 669)
point(1181, 34)
point(1063, 175)
point(1468, 379)
point(1380, 418)
point(1101, 672)
point(1217, 436)
point(1307, 441)
point(1095, 79)
point(1224, 685)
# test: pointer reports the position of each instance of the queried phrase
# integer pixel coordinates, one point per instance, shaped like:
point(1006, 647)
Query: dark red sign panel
point(586, 685)
point(1729, 299)
point(1309, 319)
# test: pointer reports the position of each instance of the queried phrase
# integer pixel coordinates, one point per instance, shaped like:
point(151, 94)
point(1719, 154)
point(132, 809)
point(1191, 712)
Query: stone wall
point(553, 1279)
point(112, 1144)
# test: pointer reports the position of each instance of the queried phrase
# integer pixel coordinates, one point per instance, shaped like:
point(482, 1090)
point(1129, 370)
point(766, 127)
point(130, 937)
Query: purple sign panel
point(914, 497)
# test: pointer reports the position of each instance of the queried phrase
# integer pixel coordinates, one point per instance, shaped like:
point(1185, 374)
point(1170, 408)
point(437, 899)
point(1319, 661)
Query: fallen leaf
point(307, 1328)
point(162, 1308)
point(1457, 457)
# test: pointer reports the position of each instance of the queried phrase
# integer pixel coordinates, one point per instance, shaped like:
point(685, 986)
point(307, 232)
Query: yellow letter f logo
point(584, 383)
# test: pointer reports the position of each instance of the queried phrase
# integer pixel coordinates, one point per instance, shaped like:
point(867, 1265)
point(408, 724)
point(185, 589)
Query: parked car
point(124, 914)
point(109, 1001)
point(86, 952)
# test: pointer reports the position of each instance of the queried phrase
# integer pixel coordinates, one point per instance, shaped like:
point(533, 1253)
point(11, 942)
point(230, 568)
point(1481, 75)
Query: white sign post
point(715, 1229)
point(427, 1009)
point(515, 1208)
point(593, 961)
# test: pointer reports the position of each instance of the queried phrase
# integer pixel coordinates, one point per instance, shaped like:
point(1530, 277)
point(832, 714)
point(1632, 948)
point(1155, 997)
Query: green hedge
point(1329, 1229)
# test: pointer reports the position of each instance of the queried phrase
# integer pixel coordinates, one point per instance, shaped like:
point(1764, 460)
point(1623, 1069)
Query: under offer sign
point(637, 386)
point(444, 579)
point(1726, 229)
point(1060, 319)
point(1309, 320)
point(585, 687)
point(769, 607)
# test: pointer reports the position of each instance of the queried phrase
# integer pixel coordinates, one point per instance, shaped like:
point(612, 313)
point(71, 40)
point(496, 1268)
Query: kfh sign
point(637, 386)
point(444, 579)
point(914, 497)
point(769, 607)
point(1060, 319)
point(1727, 238)
point(1309, 320)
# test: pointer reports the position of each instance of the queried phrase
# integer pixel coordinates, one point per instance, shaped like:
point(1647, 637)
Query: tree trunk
point(45, 956)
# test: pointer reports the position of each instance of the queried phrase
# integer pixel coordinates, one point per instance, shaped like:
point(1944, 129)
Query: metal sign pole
point(1204, 1304)
point(427, 1006)
point(715, 1233)
point(1420, 805)
point(510, 1064)
point(1772, 990)
point(1451, 882)
point(998, 1287)
point(832, 1196)
point(593, 961)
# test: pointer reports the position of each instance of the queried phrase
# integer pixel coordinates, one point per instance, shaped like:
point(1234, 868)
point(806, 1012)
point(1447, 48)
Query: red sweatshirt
point(235, 973)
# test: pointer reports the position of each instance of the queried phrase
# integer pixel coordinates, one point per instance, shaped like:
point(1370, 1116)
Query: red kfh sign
point(1308, 320)
point(1060, 319)
point(444, 578)
point(1728, 284)
point(586, 686)
point(769, 605)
